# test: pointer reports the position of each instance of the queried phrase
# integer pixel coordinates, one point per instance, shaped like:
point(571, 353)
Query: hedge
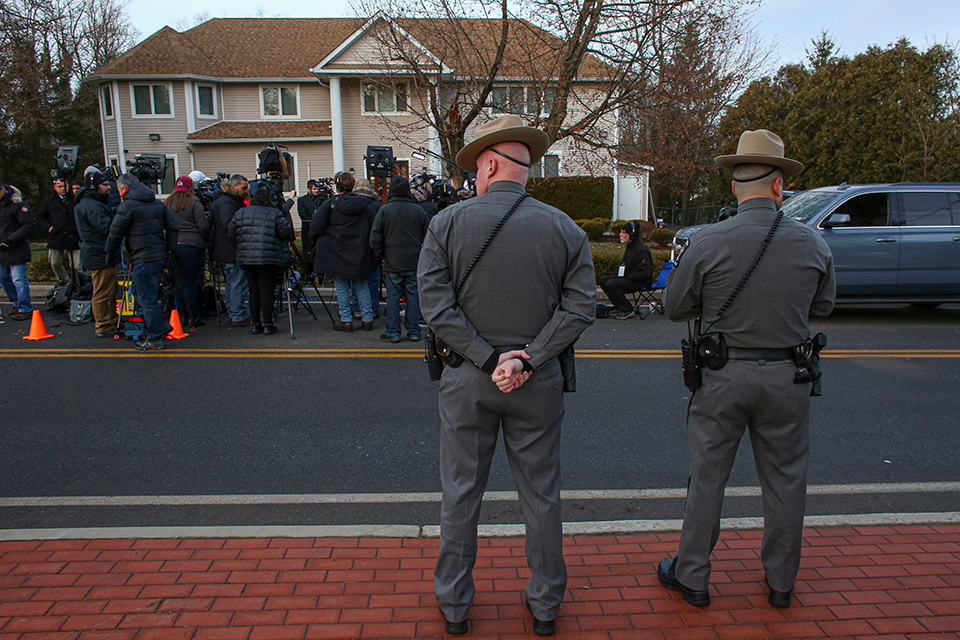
point(607, 257)
point(661, 237)
point(580, 197)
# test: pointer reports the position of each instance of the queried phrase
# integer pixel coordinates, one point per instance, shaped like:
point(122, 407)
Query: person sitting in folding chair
point(635, 273)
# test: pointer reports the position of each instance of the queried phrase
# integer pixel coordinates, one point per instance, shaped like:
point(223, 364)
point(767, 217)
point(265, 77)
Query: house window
point(546, 167)
point(385, 98)
point(106, 99)
point(206, 101)
point(152, 100)
point(522, 100)
point(280, 102)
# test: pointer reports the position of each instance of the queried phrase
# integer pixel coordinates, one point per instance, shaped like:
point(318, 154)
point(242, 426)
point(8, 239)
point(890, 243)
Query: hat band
point(500, 153)
point(758, 177)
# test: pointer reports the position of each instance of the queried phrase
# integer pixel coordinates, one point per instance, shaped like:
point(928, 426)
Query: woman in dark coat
point(261, 232)
point(190, 253)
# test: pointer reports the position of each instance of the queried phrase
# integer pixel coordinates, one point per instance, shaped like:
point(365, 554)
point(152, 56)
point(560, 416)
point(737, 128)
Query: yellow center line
point(648, 354)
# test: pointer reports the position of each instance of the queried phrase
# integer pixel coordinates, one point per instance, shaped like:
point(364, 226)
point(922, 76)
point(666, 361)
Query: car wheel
point(925, 305)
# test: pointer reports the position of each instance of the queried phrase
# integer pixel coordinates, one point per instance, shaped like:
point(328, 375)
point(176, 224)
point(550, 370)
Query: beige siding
point(173, 131)
point(242, 101)
point(314, 101)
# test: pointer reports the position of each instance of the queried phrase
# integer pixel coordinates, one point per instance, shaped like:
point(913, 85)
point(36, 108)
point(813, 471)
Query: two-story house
point(212, 97)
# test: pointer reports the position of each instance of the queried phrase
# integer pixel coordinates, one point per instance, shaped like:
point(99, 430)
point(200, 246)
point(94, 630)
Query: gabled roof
point(275, 48)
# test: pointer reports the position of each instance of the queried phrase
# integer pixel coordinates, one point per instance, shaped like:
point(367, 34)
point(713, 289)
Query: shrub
point(593, 228)
point(661, 237)
point(580, 197)
point(38, 269)
point(607, 257)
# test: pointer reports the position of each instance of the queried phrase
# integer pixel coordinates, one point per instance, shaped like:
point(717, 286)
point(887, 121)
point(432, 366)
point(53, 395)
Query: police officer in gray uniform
point(793, 280)
point(530, 296)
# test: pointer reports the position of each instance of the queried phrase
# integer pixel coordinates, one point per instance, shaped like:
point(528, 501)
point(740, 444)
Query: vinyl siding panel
point(173, 131)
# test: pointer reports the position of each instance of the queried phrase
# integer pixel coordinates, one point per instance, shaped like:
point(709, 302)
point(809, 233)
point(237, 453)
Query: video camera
point(209, 190)
point(149, 168)
point(67, 158)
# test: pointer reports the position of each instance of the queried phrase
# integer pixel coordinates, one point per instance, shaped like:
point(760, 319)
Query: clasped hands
point(509, 374)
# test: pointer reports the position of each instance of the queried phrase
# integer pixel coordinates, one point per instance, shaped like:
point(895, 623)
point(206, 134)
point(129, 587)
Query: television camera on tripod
point(148, 168)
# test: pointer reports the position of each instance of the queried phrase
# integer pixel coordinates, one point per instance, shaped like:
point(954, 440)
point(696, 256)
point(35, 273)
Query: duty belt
point(734, 353)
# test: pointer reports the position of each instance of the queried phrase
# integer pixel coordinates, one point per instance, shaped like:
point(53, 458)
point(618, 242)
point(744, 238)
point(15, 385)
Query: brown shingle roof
point(263, 130)
point(252, 48)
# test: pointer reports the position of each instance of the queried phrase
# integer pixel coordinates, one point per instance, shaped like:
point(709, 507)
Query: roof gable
point(167, 52)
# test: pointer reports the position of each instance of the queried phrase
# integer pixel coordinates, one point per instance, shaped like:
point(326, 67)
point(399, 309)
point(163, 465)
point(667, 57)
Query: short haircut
point(76, 182)
point(311, 183)
point(345, 181)
point(236, 180)
point(126, 181)
point(59, 179)
point(262, 197)
point(758, 173)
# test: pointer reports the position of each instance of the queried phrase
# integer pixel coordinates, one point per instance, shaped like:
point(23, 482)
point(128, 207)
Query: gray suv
point(890, 242)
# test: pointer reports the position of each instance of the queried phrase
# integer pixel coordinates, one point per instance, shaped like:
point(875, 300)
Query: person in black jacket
point(261, 232)
point(93, 217)
point(56, 217)
point(635, 273)
point(307, 205)
point(16, 226)
point(397, 234)
point(235, 191)
point(150, 231)
point(340, 233)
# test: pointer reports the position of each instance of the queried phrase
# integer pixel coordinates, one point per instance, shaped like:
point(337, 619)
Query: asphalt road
point(225, 413)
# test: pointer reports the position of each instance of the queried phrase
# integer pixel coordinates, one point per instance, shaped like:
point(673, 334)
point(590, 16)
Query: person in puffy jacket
point(17, 224)
point(235, 191)
point(190, 252)
point(93, 216)
point(635, 273)
point(340, 233)
point(260, 233)
point(150, 231)
point(397, 235)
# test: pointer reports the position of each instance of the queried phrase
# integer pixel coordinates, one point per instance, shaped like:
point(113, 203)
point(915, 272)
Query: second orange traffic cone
point(38, 331)
point(177, 332)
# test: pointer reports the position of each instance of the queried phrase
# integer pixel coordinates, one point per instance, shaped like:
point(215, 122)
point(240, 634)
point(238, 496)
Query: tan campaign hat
point(507, 128)
point(761, 147)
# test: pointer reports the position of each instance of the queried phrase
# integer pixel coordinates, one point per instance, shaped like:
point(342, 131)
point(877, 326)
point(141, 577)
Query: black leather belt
point(759, 354)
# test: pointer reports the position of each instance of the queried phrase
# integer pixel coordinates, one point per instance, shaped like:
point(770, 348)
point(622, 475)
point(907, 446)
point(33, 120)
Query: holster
point(807, 358)
point(431, 356)
point(568, 368)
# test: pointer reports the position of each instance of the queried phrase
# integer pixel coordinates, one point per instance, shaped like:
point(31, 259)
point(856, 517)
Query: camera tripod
point(217, 275)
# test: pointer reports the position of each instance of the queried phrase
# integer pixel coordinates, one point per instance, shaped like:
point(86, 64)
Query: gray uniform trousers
point(761, 397)
point(472, 410)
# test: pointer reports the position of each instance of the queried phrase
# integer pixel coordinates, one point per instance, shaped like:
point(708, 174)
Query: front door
point(381, 184)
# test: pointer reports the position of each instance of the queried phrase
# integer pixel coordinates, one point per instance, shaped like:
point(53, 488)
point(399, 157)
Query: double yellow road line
point(638, 354)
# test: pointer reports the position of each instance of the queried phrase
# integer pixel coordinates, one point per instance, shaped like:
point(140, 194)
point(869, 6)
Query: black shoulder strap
point(496, 229)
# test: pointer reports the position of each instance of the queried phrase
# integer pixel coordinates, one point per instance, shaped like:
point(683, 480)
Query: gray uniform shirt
point(794, 280)
point(534, 286)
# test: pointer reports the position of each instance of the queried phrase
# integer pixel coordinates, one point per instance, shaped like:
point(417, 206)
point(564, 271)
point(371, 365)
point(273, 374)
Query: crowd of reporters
point(249, 235)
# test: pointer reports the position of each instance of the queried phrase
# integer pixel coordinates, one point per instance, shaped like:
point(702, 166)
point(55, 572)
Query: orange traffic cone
point(38, 331)
point(177, 332)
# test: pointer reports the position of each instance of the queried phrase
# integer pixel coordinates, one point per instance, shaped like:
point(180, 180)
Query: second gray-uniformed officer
point(529, 297)
point(755, 389)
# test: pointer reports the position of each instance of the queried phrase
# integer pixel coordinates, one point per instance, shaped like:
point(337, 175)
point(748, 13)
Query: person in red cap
point(190, 250)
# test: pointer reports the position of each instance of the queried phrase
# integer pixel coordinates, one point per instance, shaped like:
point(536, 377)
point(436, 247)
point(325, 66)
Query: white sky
point(791, 24)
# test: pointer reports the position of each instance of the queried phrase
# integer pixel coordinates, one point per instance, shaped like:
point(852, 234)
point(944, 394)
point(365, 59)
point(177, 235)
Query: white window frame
point(526, 100)
point(543, 167)
point(113, 160)
point(296, 171)
point(296, 90)
point(133, 101)
point(176, 172)
point(213, 91)
point(377, 111)
point(104, 103)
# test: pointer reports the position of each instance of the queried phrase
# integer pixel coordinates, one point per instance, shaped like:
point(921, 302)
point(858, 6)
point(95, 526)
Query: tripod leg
point(289, 308)
point(322, 301)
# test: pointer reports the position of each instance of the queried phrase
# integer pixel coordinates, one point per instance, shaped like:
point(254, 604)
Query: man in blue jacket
point(151, 234)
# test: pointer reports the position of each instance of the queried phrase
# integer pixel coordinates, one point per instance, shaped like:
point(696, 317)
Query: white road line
point(409, 498)
point(433, 531)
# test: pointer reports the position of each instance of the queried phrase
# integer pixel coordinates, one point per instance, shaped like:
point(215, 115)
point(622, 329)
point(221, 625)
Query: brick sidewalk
point(894, 582)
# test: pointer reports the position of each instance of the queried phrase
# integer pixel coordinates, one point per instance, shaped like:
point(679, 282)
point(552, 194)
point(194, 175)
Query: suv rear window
point(927, 209)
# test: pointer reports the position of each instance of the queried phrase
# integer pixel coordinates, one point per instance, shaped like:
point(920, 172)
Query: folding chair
point(649, 295)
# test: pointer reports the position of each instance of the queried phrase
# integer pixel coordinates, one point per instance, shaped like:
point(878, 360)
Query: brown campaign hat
point(761, 147)
point(506, 128)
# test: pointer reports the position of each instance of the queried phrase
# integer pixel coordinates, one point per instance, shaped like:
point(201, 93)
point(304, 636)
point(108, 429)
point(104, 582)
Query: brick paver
point(872, 582)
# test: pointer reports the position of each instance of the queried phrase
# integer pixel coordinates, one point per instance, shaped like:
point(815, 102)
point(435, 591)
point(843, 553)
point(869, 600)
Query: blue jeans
point(373, 285)
point(402, 284)
point(237, 292)
point(14, 282)
point(343, 299)
point(147, 292)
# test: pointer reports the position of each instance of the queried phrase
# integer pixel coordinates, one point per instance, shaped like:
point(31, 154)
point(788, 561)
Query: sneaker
point(20, 316)
point(149, 345)
point(415, 338)
point(386, 338)
point(623, 315)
